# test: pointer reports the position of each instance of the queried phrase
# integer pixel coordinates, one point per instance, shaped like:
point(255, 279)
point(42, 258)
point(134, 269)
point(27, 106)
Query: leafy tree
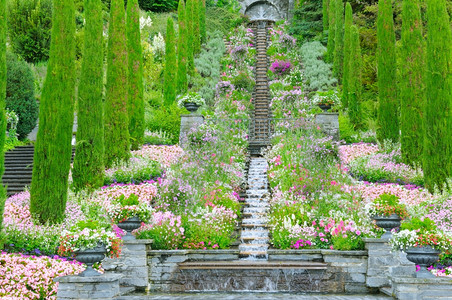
point(158, 5)
point(3, 29)
point(347, 52)
point(53, 150)
point(88, 167)
point(135, 98)
point(196, 23)
point(325, 14)
point(116, 119)
point(438, 107)
point(339, 40)
point(169, 87)
point(411, 83)
point(388, 119)
point(354, 80)
point(307, 20)
point(181, 80)
point(190, 38)
point(331, 31)
point(202, 20)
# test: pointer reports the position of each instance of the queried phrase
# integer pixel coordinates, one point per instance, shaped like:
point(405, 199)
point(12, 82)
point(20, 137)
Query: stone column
point(329, 122)
point(105, 286)
point(188, 122)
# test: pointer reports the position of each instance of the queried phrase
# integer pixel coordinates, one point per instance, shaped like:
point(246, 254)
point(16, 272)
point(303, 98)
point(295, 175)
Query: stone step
point(254, 225)
point(253, 247)
point(254, 254)
point(256, 240)
point(248, 264)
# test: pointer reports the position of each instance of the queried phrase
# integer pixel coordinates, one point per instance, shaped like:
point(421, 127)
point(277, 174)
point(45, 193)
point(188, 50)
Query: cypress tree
point(388, 120)
point(135, 100)
point(53, 150)
point(3, 29)
point(88, 167)
point(438, 107)
point(325, 14)
point(331, 31)
point(347, 50)
point(116, 119)
point(169, 87)
point(339, 41)
point(181, 50)
point(202, 20)
point(354, 80)
point(196, 24)
point(190, 38)
point(411, 84)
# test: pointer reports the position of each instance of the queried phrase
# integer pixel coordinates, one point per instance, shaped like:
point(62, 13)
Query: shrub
point(29, 24)
point(158, 5)
point(166, 119)
point(20, 95)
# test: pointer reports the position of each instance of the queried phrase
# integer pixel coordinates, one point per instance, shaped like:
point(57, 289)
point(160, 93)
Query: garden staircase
point(260, 124)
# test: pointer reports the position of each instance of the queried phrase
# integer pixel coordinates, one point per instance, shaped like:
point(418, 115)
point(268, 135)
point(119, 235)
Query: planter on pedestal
point(387, 223)
point(130, 225)
point(191, 107)
point(90, 257)
point(424, 256)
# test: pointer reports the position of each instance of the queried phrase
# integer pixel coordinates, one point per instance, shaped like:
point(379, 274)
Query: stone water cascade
point(255, 235)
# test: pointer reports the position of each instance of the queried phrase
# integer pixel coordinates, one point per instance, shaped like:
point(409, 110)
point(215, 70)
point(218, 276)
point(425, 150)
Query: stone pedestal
point(422, 288)
point(132, 264)
point(329, 122)
point(105, 286)
point(188, 122)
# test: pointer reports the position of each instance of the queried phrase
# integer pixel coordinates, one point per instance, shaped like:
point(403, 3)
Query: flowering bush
point(387, 205)
point(327, 98)
point(441, 214)
point(165, 155)
point(280, 67)
point(31, 277)
point(124, 208)
point(165, 229)
point(136, 170)
point(157, 137)
point(88, 234)
point(191, 97)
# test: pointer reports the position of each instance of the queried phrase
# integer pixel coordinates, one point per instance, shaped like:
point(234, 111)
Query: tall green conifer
point(354, 80)
point(202, 21)
point(331, 31)
point(135, 100)
point(196, 23)
point(53, 150)
point(169, 86)
point(339, 41)
point(438, 107)
point(347, 50)
point(181, 79)
point(190, 38)
point(388, 116)
point(117, 136)
point(411, 83)
point(88, 167)
point(3, 30)
point(325, 14)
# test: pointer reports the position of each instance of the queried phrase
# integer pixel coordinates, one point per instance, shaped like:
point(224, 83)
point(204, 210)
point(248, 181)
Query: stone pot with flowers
point(129, 213)
point(326, 100)
point(89, 242)
point(387, 212)
point(191, 101)
point(423, 243)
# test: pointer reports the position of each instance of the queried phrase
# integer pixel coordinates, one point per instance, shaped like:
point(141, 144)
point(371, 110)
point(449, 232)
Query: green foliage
point(169, 87)
point(53, 150)
point(131, 200)
point(196, 4)
point(20, 96)
point(438, 107)
point(347, 243)
point(388, 109)
point(318, 75)
point(135, 98)
point(190, 38)
point(135, 171)
point(88, 167)
point(347, 51)
point(354, 80)
point(329, 57)
point(29, 24)
point(166, 119)
point(222, 19)
point(339, 41)
point(423, 226)
point(307, 20)
point(116, 120)
point(411, 83)
point(158, 5)
point(325, 4)
point(202, 21)
point(181, 76)
point(2, 108)
point(157, 138)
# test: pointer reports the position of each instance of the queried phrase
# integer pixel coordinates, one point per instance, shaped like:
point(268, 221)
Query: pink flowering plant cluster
point(240, 49)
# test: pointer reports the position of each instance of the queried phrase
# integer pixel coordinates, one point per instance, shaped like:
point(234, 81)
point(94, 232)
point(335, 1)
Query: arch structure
point(272, 10)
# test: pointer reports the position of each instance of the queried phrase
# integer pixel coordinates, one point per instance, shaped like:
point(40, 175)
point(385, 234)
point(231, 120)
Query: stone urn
point(90, 257)
point(130, 225)
point(424, 256)
point(387, 223)
point(325, 107)
point(191, 107)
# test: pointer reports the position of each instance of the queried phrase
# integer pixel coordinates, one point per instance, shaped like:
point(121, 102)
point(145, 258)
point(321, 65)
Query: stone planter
point(387, 223)
point(424, 257)
point(191, 107)
point(90, 257)
point(130, 225)
point(325, 107)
